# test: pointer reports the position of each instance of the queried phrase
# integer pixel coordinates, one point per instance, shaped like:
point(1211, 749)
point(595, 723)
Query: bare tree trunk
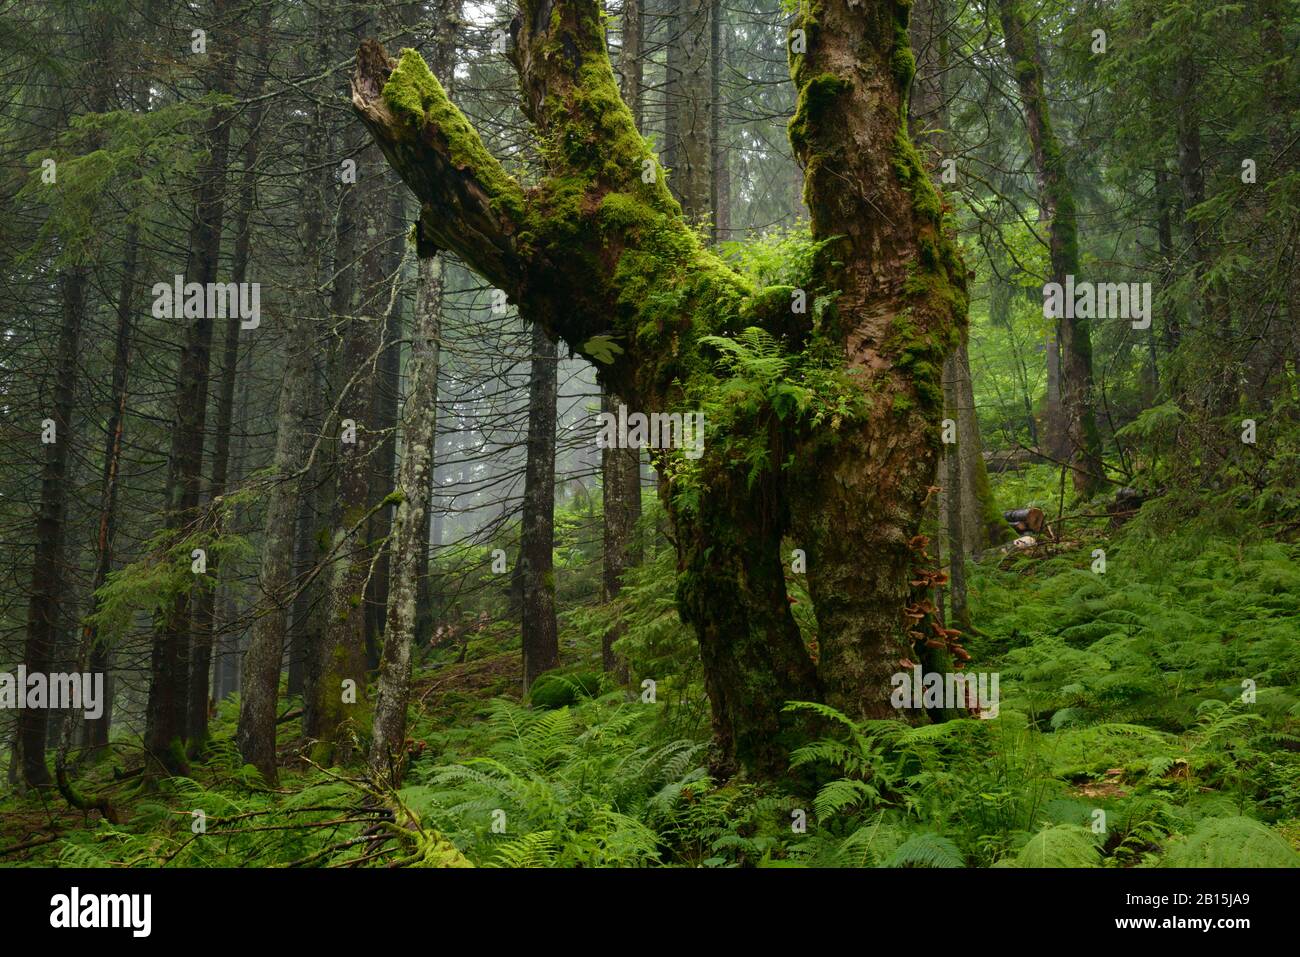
point(98, 654)
point(206, 605)
point(255, 733)
point(338, 689)
point(48, 562)
point(953, 496)
point(631, 64)
point(304, 560)
point(689, 65)
point(287, 497)
point(981, 518)
point(1082, 445)
point(719, 180)
point(169, 673)
point(387, 396)
point(537, 533)
point(621, 497)
point(411, 526)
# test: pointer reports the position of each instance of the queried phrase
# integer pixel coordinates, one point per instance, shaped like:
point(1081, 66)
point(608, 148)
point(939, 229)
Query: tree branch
point(469, 203)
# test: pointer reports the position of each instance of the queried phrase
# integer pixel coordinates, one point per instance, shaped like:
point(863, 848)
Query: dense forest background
point(364, 586)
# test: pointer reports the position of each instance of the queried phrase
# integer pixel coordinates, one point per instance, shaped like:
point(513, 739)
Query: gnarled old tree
point(838, 451)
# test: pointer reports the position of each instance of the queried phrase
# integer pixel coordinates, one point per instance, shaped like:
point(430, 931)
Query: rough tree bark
point(339, 670)
point(586, 247)
point(621, 468)
point(387, 398)
point(631, 65)
point(287, 497)
point(255, 732)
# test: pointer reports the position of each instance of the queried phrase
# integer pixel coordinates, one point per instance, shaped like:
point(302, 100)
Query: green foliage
point(1231, 842)
point(555, 689)
point(561, 788)
point(1061, 845)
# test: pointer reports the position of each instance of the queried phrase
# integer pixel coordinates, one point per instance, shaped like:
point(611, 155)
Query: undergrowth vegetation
point(1149, 716)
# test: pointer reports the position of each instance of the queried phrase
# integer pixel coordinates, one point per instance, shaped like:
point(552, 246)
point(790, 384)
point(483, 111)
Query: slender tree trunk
point(340, 666)
point(98, 654)
point(304, 560)
point(719, 182)
point(689, 65)
point(954, 496)
point(982, 520)
point(205, 618)
point(255, 733)
point(259, 670)
point(48, 561)
point(621, 497)
point(341, 658)
point(928, 114)
point(631, 62)
point(537, 533)
point(411, 526)
point(387, 396)
point(169, 673)
point(1082, 446)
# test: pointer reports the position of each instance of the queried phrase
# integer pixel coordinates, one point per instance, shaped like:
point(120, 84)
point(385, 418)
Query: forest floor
point(1149, 715)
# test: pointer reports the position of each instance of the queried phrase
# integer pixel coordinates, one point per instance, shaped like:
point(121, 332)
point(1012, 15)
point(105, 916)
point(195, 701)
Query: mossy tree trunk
point(599, 250)
point(339, 673)
point(1082, 445)
point(901, 309)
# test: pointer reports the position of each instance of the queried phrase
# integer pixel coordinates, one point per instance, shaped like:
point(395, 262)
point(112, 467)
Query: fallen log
point(1012, 460)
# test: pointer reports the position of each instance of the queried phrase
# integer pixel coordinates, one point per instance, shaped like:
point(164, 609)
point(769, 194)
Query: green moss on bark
point(414, 95)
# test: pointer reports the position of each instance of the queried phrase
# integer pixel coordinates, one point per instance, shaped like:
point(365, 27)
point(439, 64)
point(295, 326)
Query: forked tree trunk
point(597, 249)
